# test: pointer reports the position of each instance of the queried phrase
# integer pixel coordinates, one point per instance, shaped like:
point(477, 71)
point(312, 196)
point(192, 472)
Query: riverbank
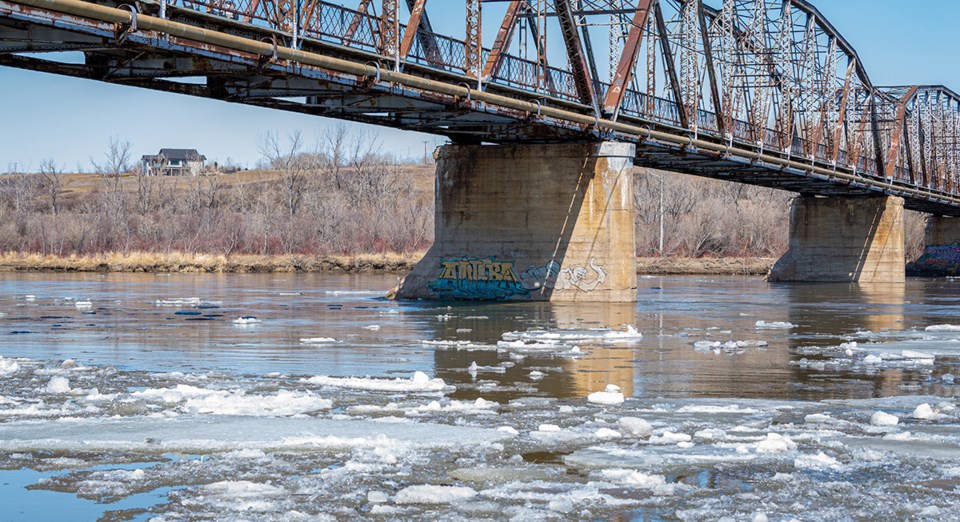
point(176, 262)
point(755, 266)
point(361, 263)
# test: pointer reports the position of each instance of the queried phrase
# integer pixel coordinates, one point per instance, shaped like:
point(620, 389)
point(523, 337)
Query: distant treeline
point(340, 195)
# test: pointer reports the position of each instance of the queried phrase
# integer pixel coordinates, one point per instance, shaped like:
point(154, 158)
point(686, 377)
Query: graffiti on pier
point(493, 280)
point(939, 260)
point(482, 279)
point(552, 276)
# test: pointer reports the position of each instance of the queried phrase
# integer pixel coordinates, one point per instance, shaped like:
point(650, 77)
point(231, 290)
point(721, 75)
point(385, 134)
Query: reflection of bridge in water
point(764, 92)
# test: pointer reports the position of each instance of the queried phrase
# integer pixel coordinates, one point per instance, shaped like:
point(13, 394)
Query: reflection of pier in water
point(672, 314)
point(825, 312)
point(565, 376)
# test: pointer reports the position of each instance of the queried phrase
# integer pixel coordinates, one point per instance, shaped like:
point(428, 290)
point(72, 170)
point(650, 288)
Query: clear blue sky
point(70, 120)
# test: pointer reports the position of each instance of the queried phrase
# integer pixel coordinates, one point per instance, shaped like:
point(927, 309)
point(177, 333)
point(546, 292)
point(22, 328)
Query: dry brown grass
point(705, 266)
point(206, 263)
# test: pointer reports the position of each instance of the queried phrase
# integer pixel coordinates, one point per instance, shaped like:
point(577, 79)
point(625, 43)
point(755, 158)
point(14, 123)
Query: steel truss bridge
point(764, 92)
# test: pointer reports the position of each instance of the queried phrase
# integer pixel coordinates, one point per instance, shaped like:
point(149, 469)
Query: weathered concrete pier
point(531, 222)
point(857, 240)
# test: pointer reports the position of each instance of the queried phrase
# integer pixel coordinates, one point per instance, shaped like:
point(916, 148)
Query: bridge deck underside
point(167, 63)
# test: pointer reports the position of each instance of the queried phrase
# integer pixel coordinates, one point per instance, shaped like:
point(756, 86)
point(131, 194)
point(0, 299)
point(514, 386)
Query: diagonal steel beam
point(426, 36)
point(578, 62)
point(355, 23)
point(897, 133)
point(628, 59)
point(671, 66)
point(504, 36)
point(711, 71)
point(417, 14)
point(842, 117)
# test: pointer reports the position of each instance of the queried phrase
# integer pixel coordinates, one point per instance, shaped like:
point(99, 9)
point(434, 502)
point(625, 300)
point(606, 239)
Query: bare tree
point(293, 165)
point(116, 160)
point(52, 180)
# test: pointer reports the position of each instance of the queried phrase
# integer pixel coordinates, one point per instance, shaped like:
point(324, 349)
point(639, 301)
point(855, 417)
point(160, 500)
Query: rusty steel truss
point(765, 92)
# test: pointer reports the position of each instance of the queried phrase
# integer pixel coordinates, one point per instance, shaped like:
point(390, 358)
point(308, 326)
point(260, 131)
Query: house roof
point(182, 154)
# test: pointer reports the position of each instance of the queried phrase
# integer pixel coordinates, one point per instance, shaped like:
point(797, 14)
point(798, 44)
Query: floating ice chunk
point(29, 297)
point(657, 484)
point(185, 301)
point(474, 368)
point(610, 396)
point(943, 328)
point(246, 320)
point(284, 403)
point(83, 305)
point(8, 367)
point(884, 419)
point(372, 327)
point(903, 436)
point(759, 517)
point(776, 443)
point(607, 433)
point(551, 428)
point(705, 346)
point(872, 359)
point(925, 412)
point(819, 418)
point(317, 340)
point(560, 505)
point(479, 406)
point(629, 333)
point(58, 385)
point(377, 497)
point(242, 495)
point(376, 293)
point(172, 395)
point(947, 378)
point(818, 461)
point(429, 494)
point(669, 437)
point(509, 430)
point(774, 325)
point(419, 383)
point(714, 409)
point(536, 375)
point(710, 434)
point(919, 357)
point(565, 409)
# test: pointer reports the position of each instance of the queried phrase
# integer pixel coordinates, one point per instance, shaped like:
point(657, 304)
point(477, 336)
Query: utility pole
point(660, 210)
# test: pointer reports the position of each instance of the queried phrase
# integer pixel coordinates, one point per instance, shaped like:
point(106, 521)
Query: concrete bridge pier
point(531, 223)
point(856, 240)
point(941, 254)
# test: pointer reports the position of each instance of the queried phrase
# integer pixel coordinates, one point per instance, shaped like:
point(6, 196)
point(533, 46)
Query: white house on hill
point(173, 162)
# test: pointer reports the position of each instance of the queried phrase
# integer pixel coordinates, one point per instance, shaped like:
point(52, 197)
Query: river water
point(147, 397)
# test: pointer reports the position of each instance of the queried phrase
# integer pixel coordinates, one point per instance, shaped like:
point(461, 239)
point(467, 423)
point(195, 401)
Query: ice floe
point(774, 325)
point(419, 383)
point(609, 396)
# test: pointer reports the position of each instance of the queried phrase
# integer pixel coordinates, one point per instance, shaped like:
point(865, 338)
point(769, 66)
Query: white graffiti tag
point(551, 276)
